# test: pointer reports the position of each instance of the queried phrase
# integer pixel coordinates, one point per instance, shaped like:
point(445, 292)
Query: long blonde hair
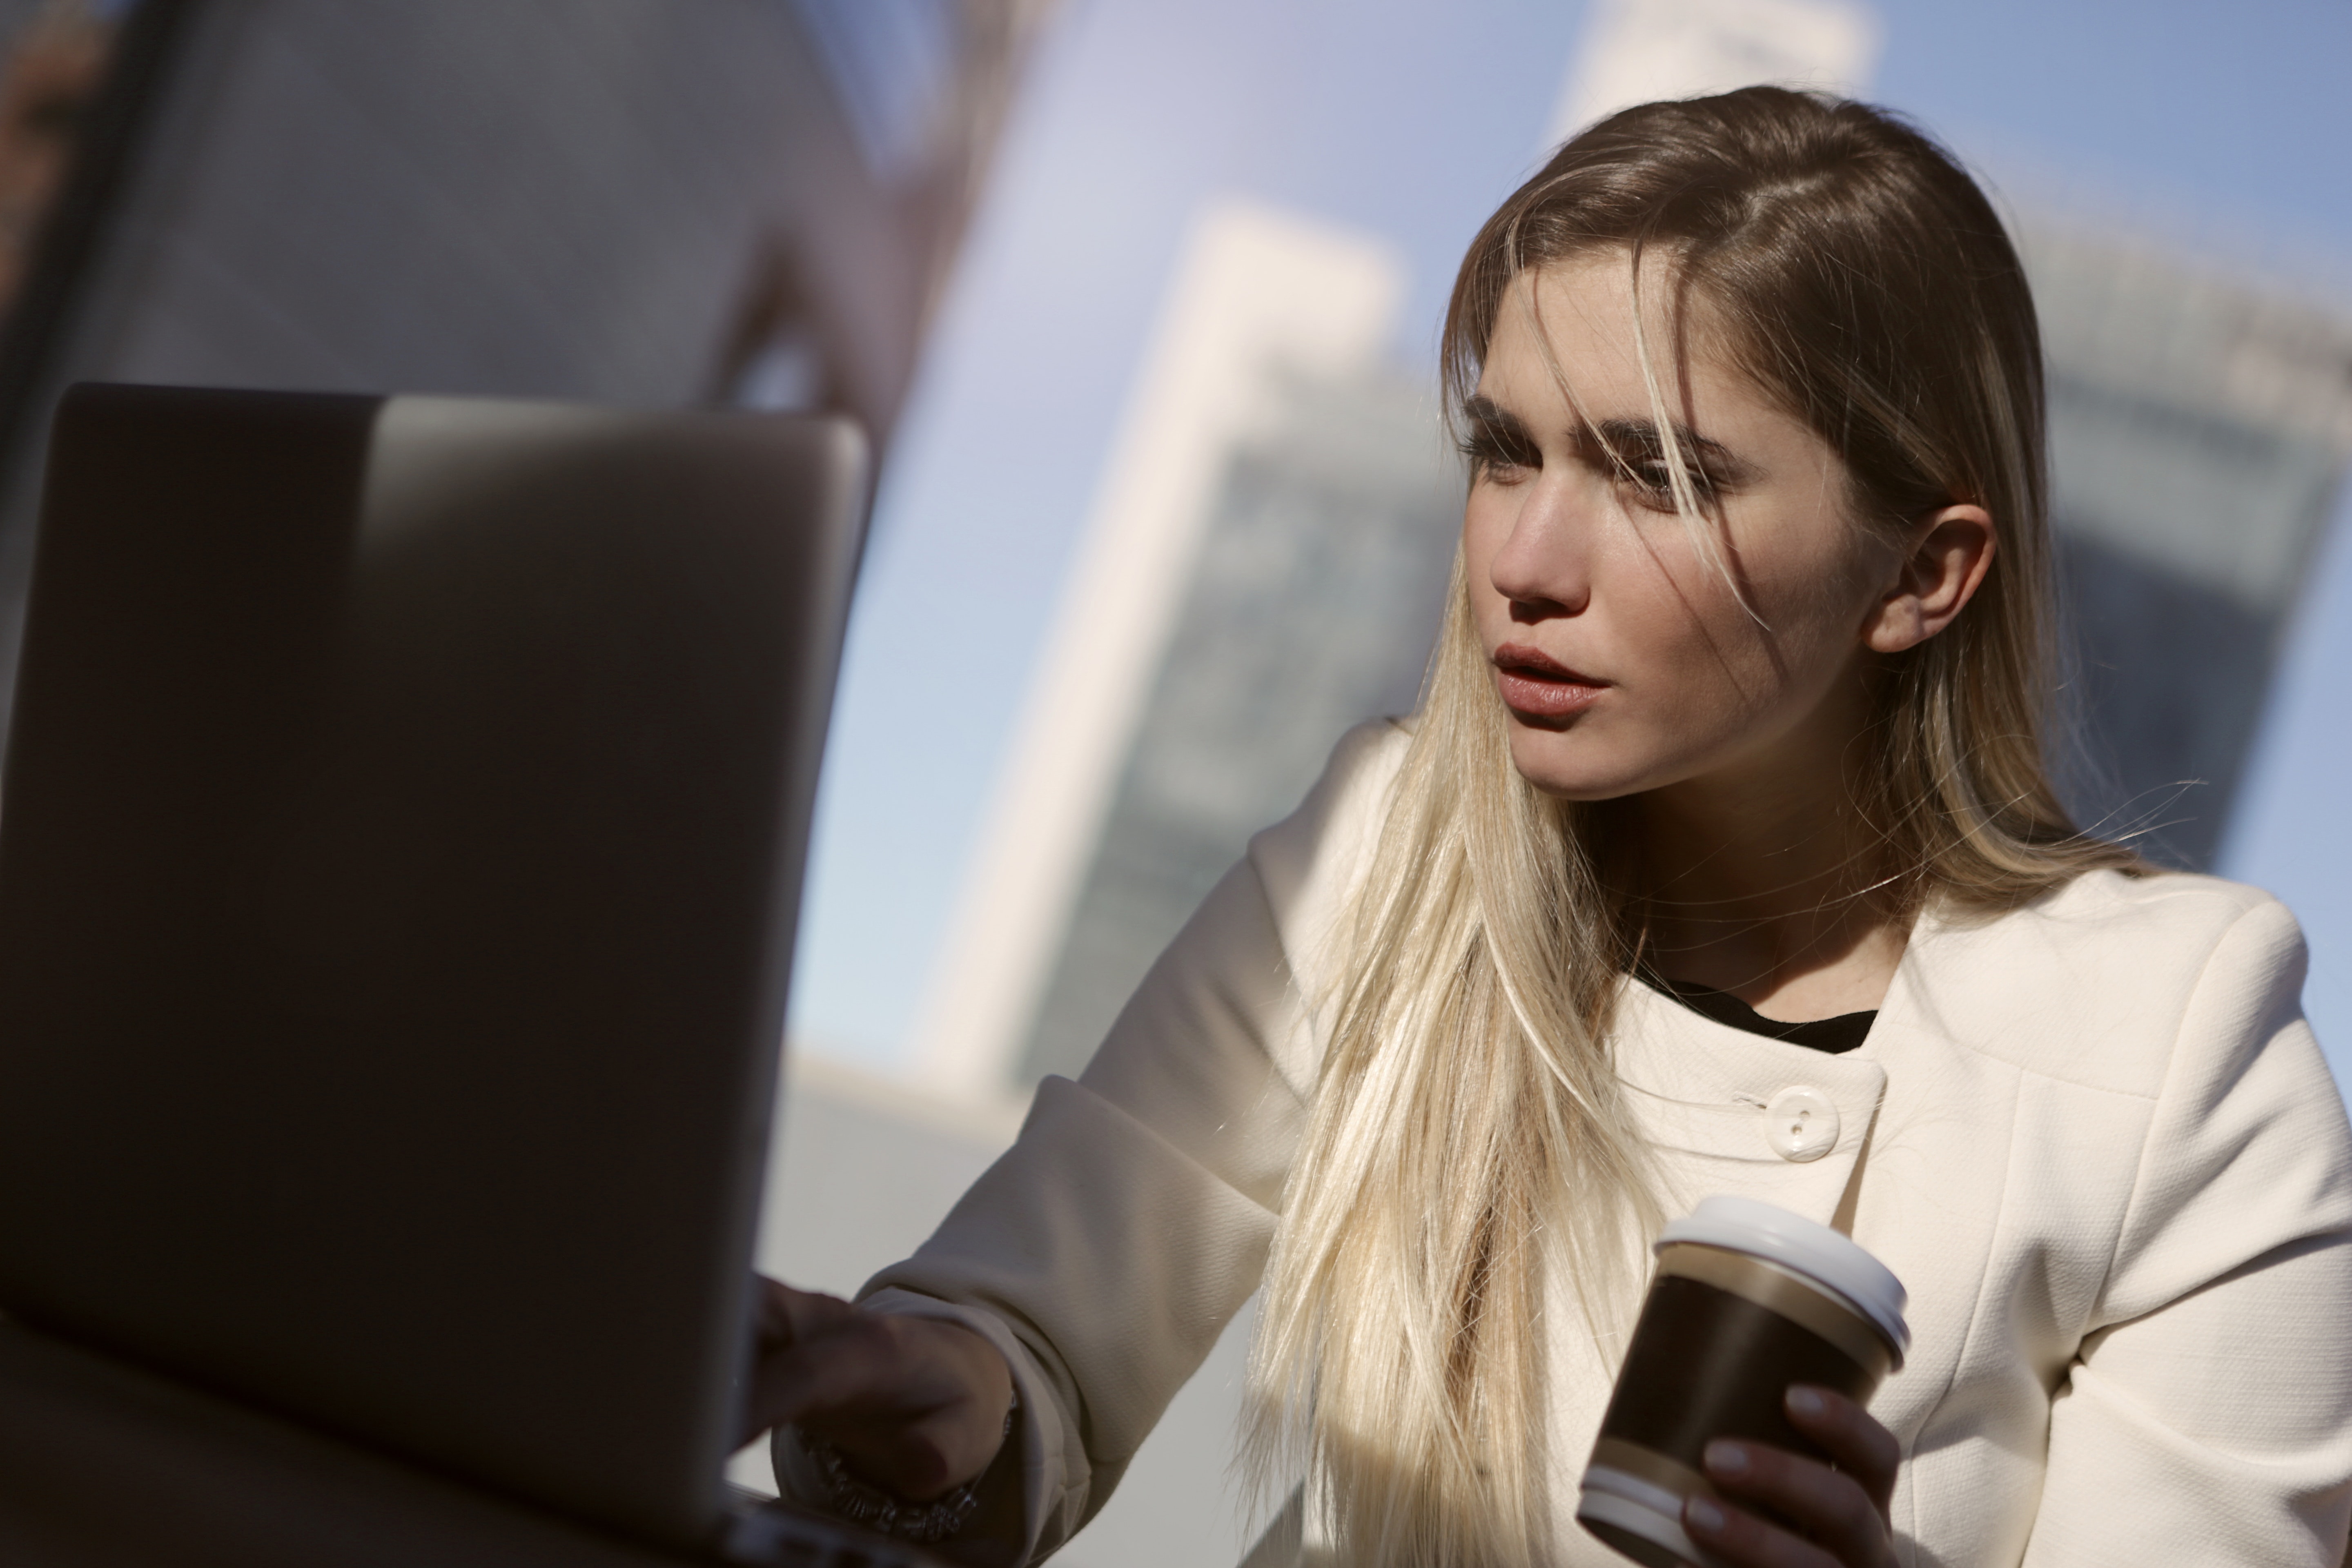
point(1470, 1158)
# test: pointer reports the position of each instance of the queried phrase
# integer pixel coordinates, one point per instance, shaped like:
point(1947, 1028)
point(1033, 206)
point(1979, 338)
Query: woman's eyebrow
point(1642, 434)
point(1485, 412)
point(1617, 436)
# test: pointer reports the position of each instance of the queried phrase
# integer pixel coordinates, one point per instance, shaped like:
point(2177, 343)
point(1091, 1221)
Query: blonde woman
point(1727, 794)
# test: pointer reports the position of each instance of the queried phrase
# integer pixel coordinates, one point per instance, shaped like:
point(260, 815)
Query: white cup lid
point(1771, 1232)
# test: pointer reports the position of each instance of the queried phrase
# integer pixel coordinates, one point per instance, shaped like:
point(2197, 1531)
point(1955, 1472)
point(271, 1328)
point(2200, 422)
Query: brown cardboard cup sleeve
point(1747, 1300)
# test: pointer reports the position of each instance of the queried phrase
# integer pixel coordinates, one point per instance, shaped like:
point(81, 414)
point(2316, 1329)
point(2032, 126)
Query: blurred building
point(1262, 571)
point(2200, 427)
point(625, 201)
point(1637, 51)
point(1312, 603)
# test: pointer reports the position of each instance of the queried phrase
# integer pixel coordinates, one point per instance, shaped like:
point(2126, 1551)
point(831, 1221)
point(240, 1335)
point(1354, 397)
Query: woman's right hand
point(914, 1404)
point(1841, 1506)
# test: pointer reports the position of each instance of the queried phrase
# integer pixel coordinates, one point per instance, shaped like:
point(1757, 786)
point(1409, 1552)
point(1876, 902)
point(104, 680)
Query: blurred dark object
point(52, 74)
point(397, 890)
point(624, 202)
point(76, 86)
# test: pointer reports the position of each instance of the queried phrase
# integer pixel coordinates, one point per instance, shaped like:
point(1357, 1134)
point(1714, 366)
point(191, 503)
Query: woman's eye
point(1652, 480)
point(1500, 462)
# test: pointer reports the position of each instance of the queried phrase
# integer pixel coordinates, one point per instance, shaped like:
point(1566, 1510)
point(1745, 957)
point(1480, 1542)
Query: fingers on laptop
point(917, 1404)
point(785, 1314)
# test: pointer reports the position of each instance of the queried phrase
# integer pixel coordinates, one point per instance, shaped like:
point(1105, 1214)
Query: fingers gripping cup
point(1748, 1298)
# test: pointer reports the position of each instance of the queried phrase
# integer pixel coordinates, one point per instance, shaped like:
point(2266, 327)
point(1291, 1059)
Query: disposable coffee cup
point(1747, 1300)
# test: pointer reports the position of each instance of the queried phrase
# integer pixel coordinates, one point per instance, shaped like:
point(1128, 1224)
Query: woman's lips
point(1536, 685)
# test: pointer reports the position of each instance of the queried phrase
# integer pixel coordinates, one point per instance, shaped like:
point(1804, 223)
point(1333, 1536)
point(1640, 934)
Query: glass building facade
point(1313, 604)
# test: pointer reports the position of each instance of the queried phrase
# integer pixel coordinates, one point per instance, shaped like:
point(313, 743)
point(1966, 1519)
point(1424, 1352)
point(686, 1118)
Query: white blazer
point(2095, 1137)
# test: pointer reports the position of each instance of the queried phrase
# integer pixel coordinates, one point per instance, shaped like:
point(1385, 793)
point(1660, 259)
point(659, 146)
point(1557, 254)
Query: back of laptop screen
point(403, 819)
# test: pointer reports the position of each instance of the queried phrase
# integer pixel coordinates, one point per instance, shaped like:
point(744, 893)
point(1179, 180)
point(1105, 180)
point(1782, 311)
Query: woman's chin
point(1555, 765)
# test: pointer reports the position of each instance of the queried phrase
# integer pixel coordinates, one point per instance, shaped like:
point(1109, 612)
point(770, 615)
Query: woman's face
point(1624, 657)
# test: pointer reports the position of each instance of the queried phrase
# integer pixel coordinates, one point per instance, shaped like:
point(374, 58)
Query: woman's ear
point(1948, 555)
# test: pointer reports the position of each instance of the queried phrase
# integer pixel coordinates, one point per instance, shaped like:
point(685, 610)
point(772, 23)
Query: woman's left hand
point(1842, 1511)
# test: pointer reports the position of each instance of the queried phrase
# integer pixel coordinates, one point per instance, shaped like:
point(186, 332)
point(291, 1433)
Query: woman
point(1719, 858)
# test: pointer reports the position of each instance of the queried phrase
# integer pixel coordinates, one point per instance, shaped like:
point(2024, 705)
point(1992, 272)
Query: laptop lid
point(402, 837)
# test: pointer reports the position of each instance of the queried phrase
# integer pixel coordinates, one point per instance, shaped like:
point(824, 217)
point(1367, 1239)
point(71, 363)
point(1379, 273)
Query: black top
point(1830, 1036)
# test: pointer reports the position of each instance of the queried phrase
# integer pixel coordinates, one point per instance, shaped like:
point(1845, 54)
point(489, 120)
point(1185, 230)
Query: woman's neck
point(1765, 882)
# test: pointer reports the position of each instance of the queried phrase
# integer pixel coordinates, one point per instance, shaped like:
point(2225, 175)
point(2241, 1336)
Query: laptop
point(403, 819)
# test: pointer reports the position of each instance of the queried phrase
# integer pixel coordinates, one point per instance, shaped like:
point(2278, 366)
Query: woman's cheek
point(1485, 524)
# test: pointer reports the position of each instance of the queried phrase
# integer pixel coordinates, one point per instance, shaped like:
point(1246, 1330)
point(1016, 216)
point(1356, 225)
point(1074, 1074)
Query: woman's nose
point(1545, 566)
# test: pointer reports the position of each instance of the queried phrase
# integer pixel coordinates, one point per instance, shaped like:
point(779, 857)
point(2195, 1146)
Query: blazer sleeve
point(1110, 1246)
point(2208, 1417)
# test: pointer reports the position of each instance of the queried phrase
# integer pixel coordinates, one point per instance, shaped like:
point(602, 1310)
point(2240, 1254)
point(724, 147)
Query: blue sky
point(2224, 127)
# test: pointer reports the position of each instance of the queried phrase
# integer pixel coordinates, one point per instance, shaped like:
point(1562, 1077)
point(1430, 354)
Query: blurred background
point(1141, 302)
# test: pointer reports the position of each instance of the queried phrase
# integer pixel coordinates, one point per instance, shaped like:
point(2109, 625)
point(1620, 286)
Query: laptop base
point(103, 1463)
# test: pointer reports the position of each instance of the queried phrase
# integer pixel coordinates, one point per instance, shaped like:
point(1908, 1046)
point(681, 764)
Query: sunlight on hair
point(1703, 530)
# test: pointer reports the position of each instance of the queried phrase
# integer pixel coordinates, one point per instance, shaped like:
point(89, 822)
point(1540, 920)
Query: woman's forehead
point(1573, 322)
